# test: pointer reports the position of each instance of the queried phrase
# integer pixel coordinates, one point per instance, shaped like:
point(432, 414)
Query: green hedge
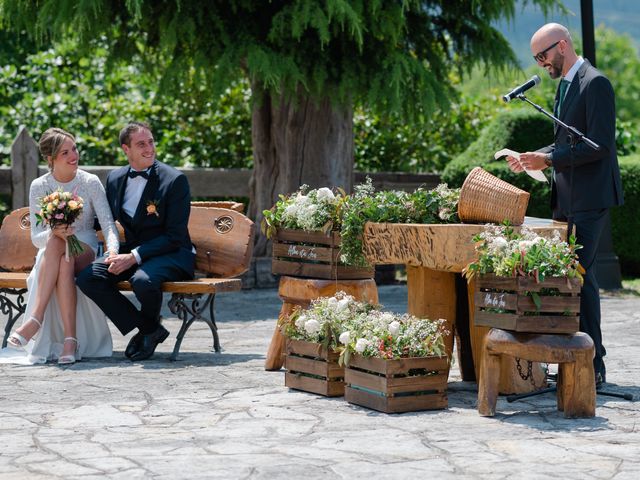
point(625, 221)
point(528, 130)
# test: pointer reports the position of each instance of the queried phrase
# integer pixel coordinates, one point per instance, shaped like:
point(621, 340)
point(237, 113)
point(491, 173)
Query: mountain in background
point(622, 16)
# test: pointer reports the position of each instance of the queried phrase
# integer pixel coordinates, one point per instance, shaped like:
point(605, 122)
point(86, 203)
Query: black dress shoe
point(148, 343)
point(133, 346)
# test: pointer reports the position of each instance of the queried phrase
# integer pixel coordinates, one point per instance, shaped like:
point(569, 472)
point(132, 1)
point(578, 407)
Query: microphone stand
point(574, 136)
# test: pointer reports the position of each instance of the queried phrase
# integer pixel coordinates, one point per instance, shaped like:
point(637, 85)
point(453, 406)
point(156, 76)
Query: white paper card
point(535, 174)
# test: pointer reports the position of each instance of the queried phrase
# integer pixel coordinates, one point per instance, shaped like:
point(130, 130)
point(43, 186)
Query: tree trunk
point(295, 143)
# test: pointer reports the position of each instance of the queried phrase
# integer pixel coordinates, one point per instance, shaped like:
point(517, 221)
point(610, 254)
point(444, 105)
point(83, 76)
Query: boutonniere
point(152, 207)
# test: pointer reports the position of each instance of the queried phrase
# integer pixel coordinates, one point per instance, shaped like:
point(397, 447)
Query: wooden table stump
point(301, 291)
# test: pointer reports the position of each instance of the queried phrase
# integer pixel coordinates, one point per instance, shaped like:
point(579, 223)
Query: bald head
point(553, 49)
point(548, 34)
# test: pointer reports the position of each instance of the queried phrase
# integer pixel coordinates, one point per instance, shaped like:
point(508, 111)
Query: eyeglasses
point(542, 56)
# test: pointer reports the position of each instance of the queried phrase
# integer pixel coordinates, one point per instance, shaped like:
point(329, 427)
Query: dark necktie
point(144, 174)
point(564, 85)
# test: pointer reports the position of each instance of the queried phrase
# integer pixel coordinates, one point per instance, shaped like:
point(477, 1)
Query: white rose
point(342, 305)
point(387, 318)
point(325, 194)
point(345, 337)
point(291, 210)
point(361, 345)
point(394, 327)
point(300, 321)
point(312, 326)
point(333, 303)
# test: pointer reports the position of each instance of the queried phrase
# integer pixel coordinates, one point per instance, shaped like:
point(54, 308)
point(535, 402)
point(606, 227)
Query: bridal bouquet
point(61, 208)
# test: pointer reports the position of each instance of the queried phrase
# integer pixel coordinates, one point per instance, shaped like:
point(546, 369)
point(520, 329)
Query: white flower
point(325, 195)
point(333, 303)
point(300, 321)
point(345, 337)
point(291, 210)
point(342, 304)
point(394, 327)
point(312, 326)
point(387, 317)
point(361, 345)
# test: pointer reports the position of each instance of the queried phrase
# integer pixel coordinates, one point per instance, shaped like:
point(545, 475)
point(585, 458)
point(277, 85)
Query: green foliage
point(62, 87)
point(505, 253)
point(392, 56)
point(422, 206)
point(625, 221)
point(387, 143)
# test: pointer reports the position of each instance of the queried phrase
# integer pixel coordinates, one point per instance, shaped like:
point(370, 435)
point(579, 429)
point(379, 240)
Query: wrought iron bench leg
point(13, 310)
point(189, 313)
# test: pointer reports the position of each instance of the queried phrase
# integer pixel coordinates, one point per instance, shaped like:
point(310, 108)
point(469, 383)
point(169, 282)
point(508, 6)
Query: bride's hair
point(50, 143)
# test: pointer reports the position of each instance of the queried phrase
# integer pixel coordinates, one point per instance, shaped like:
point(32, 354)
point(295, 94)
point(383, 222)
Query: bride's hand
point(63, 231)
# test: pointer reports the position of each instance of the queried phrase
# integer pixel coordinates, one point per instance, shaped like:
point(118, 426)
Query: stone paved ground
point(223, 416)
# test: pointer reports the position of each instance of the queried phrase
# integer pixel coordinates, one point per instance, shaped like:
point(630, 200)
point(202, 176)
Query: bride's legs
point(67, 295)
point(47, 277)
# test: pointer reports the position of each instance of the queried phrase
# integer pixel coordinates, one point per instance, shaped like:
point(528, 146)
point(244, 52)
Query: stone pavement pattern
point(222, 416)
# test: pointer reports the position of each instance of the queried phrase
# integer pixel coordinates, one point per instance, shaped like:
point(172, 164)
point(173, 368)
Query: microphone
point(532, 82)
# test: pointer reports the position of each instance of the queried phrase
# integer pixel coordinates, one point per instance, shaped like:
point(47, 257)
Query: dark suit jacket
point(160, 233)
point(589, 106)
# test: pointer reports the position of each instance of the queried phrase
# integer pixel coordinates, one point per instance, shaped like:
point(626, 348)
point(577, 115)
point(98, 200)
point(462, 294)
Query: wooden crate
point(313, 255)
point(312, 368)
point(394, 386)
point(502, 302)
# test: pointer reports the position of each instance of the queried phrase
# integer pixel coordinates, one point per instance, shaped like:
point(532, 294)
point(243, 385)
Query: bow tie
point(144, 174)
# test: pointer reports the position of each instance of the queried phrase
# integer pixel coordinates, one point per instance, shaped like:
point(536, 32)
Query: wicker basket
point(486, 198)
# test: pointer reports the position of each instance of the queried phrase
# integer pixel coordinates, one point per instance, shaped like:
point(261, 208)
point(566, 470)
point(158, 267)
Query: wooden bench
point(224, 244)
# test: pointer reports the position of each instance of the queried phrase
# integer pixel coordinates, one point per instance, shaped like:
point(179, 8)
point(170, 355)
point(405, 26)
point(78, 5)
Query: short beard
point(556, 66)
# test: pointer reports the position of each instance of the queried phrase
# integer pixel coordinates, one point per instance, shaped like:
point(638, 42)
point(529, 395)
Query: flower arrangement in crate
point(318, 233)
point(305, 228)
point(525, 282)
point(312, 345)
point(395, 363)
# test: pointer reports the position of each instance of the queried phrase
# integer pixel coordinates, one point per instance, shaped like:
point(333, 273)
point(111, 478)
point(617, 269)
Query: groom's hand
point(120, 262)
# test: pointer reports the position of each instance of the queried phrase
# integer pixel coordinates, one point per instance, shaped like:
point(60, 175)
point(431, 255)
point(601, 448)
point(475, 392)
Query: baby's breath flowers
point(348, 326)
point(506, 253)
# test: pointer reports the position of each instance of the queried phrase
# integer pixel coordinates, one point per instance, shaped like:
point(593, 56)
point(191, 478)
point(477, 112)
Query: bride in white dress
point(60, 322)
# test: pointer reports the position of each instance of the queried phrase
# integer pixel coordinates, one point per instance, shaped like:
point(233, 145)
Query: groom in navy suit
point(151, 201)
point(585, 182)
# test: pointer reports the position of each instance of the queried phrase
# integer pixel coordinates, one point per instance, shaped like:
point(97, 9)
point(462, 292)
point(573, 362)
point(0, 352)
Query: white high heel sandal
point(17, 341)
point(69, 359)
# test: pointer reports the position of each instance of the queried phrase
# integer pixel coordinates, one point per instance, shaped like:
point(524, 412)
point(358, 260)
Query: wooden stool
point(574, 353)
point(301, 291)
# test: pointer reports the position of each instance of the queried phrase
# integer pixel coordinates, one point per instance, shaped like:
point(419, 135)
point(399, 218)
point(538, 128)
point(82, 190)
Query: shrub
point(625, 222)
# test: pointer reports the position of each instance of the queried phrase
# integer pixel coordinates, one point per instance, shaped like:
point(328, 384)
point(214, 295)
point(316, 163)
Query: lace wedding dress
point(92, 331)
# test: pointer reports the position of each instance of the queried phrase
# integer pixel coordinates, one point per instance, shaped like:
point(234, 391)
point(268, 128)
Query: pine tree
point(308, 61)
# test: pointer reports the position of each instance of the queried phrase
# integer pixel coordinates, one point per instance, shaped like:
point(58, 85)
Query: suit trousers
point(146, 281)
point(589, 225)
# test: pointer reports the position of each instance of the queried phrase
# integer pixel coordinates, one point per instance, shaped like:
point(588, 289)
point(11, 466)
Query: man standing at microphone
point(585, 182)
